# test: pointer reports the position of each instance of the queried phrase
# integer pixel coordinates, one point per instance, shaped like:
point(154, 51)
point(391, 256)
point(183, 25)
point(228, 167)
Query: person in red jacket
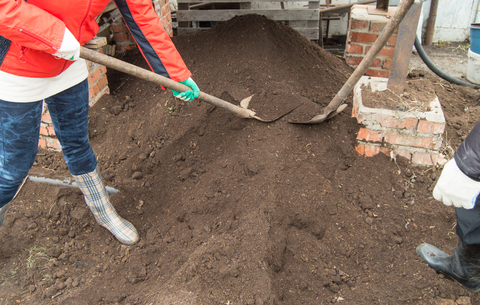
point(39, 61)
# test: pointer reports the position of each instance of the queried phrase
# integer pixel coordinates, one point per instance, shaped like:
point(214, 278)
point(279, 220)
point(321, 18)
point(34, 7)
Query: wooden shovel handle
point(119, 65)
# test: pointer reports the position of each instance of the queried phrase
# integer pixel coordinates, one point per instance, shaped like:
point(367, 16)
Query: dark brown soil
point(417, 95)
point(231, 210)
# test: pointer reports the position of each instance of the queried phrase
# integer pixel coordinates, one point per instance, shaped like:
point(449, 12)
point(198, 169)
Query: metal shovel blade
point(322, 117)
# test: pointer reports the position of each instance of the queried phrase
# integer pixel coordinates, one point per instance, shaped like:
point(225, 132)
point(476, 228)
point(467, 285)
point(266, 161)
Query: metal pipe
point(432, 16)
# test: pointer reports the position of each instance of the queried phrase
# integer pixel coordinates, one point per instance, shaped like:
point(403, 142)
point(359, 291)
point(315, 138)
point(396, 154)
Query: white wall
point(453, 19)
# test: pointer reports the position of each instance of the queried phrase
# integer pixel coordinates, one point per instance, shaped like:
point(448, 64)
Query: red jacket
point(32, 30)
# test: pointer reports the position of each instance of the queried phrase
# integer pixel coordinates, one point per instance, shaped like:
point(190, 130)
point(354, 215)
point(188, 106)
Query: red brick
point(102, 82)
point(354, 111)
point(50, 130)
point(431, 127)
point(157, 7)
point(389, 121)
point(363, 37)
point(369, 135)
point(377, 26)
point(424, 158)
point(93, 91)
point(43, 131)
point(403, 153)
point(46, 118)
point(385, 150)
point(354, 48)
point(387, 64)
point(42, 143)
point(118, 37)
point(353, 61)
point(130, 38)
point(370, 150)
point(358, 24)
point(119, 28)
point(376, 63)
point(392, 41)
point(94, 75)
point(165, 10)
point(53, 143)
point(169, 30)
point(378, 73)
point(406, 140)
point(383, 52)
point(164, 23)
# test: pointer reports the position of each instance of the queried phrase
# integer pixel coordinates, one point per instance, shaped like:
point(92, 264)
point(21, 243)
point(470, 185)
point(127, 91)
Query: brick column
point(162, 8)
point(364, 29)
point(97, 81)
point(412, 134)
point(123, 39)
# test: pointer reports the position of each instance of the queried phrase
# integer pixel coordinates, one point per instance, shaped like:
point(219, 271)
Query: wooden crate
point(195, 15)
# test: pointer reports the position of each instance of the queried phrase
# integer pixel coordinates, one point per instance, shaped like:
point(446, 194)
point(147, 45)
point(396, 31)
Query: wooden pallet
point(195, 15)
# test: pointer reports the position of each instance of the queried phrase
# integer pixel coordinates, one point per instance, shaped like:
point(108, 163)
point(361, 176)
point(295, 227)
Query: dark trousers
point(468, 224)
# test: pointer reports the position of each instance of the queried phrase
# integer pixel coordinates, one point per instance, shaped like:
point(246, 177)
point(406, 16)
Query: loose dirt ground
point(236, 211)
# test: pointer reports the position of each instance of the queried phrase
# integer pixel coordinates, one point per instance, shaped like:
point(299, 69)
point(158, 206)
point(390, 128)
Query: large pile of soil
point(231, 210)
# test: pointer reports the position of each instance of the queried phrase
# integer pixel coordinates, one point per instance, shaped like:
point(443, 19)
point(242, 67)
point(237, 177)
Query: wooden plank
point(96, 42)
point(345, 6)
point(310, 33)
point(224, 15)
point(403, 49)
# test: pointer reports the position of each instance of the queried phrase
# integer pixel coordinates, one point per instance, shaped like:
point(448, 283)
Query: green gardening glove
point(188, 95)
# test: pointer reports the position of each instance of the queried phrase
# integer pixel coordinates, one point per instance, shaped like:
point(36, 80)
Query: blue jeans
point(19, 132)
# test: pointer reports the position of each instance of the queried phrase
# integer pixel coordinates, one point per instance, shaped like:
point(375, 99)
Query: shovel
point(335, 106)
point(119, 65)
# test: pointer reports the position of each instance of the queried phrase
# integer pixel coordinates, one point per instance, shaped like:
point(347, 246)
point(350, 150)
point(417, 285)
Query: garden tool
point(119, 65)
point(335, 106)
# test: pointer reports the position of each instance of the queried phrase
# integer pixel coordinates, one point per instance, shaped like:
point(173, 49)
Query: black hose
point(436, 70)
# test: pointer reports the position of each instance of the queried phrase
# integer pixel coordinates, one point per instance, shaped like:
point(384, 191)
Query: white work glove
point(70, 48)
point(455, 188)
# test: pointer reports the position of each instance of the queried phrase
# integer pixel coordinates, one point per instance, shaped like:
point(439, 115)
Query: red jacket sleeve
point(152, 40)
point(30, 26)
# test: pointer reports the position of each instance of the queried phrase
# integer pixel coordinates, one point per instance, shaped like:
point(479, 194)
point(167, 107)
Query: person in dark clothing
point(459, 185)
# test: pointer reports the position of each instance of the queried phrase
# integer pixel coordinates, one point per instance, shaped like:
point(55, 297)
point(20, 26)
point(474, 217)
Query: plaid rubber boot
point(97, 200)
point(3, 210)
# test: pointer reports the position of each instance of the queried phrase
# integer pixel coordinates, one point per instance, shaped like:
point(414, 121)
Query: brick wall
point(97, 77)
point(364, 29)
point(412, 134)
point(122, 37)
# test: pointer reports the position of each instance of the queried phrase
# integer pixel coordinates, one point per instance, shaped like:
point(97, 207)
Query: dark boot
point(463, 266)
